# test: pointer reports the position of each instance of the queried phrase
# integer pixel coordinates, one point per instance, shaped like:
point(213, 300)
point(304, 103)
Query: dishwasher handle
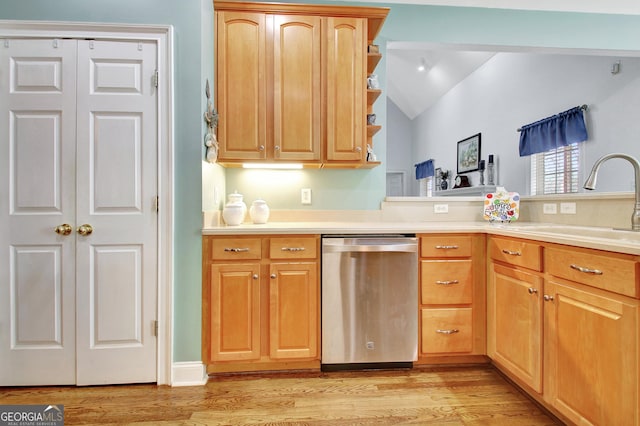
point(394, 247)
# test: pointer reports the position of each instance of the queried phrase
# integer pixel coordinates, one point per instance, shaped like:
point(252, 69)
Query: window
point(556, 171)
point(426, 186)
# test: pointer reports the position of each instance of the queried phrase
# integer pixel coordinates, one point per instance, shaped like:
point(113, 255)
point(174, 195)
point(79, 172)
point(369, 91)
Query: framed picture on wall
point(469, 154)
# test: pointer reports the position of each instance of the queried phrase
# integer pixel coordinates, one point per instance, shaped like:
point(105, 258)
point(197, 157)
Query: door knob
point(64, 229)
point(85, 229)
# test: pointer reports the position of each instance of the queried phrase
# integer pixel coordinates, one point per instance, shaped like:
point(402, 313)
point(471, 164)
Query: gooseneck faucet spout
point(590, 183)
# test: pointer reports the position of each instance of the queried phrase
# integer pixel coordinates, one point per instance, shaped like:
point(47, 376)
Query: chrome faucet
point(590, 183)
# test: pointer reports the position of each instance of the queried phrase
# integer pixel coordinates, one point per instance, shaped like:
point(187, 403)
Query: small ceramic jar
point(259, 212)
point(233, 213)
point(237, 198)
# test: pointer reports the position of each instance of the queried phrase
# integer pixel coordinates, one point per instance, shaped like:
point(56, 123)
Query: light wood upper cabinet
point(297, 92)
point(241, 85)
point(346, 89)
point(291, 82)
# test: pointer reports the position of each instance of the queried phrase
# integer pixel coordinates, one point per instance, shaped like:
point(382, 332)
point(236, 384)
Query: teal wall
point(193, 64)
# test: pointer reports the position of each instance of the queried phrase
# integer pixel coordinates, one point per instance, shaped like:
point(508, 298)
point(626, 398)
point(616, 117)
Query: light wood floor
point(448, 396)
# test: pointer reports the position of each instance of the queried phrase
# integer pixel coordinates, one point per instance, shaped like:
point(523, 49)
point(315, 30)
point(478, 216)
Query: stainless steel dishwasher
point(369, 301)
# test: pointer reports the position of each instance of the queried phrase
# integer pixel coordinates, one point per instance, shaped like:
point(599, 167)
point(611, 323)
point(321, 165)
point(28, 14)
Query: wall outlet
point(550, 208)
point(567, 208)
point(305, 195)
point(441, 208)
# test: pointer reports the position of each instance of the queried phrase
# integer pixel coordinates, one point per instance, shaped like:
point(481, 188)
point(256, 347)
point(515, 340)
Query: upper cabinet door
point(297, 87)
point(346, 88)
point(241, 85)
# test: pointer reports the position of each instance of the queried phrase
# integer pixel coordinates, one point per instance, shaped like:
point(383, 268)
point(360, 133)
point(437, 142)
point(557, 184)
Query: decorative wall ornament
point(210, 139)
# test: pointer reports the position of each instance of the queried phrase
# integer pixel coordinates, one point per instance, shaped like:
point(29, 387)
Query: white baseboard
point(188, 374)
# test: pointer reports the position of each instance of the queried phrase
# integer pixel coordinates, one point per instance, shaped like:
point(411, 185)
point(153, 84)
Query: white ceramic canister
point(259, 212)
point(234, 213)
point(237, 198)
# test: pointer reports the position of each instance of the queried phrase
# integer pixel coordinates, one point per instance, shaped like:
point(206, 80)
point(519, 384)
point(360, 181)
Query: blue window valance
point(553, 132)
point(424, 169)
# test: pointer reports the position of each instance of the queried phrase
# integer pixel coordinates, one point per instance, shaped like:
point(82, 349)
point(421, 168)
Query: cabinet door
point(591, 357)
point(241, 85)
point(235, 312)
point(346, 88)
point(297, 90)
point(294, 310)
point(515, 323)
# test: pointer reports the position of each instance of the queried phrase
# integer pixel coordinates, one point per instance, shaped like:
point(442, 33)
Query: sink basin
point(584, 232)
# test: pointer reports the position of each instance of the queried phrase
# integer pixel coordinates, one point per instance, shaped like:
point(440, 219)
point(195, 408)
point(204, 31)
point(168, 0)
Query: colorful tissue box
point(502, 206)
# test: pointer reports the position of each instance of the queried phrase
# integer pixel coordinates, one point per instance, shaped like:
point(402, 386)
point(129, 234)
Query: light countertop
point(621, 241)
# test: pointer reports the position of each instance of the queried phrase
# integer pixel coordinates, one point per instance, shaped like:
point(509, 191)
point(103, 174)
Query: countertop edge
point(517, 230)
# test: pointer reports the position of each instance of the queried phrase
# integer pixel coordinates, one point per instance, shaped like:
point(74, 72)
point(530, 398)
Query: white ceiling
point(414, 91)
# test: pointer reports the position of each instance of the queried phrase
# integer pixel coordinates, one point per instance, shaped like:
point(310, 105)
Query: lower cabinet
point(261, 303)
point(557, 331)
point(452, 298)
point(591, 355)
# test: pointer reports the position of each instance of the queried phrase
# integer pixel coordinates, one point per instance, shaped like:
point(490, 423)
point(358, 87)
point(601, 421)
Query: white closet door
point(78, 308)
point(116, 192)
point(37, 193)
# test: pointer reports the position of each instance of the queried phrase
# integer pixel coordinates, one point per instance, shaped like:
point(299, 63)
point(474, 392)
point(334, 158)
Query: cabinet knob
point(277, 147)
point(261, 147)
point(255, 276)
point(533, 290)
point(273, 276)
point(547, 298)
point(358, 149)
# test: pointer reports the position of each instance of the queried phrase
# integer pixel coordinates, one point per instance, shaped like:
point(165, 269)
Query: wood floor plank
point(447, 396)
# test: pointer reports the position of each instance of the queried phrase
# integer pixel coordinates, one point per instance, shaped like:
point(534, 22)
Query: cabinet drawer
point(293, 248)
point(519, 253)
point(608, 272)
point(446, 281)
point(446, 330)
point(235, 248)
point(445, 246)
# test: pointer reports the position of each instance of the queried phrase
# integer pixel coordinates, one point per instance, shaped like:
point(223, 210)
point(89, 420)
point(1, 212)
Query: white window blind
point(556, 171)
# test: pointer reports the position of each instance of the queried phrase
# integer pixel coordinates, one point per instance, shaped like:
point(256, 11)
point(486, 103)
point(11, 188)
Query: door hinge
point(154, 328)
point(155, 78)
point(156, 203)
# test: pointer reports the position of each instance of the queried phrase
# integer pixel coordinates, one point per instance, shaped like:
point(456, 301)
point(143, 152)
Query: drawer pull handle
point(452, 331)
point(236, 250)
point(292, 249)
point(511, 252)
point(586, 270)
point(449, 282)
point(447, 247)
